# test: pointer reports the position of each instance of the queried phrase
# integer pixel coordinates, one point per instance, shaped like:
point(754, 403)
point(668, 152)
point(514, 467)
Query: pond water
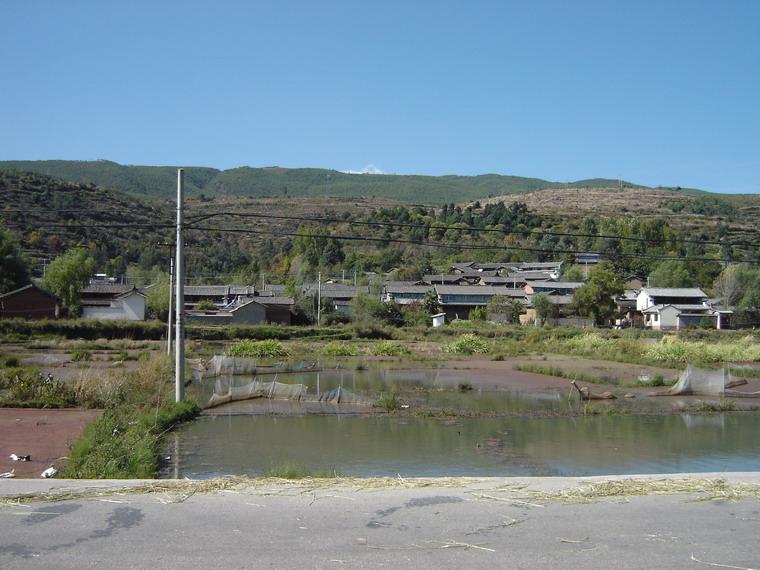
point(244, 438)
point(391, 445)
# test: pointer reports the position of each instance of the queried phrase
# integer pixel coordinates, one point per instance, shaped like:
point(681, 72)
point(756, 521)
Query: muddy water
point(514, 431)
point(392, 445)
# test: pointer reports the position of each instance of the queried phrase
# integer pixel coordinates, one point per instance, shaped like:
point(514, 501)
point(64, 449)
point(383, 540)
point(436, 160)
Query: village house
point(458, 300)
point(29, 302)
point(552, 287)
point(450, 279)
point(227, 298)
point(112, 301)
point(665, 308)
point(405, 292)
point(243, 312)
point(336, 296)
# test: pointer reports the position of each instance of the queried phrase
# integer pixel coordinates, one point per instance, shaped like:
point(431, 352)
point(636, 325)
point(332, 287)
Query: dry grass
point(170, 490)
point(705, 489)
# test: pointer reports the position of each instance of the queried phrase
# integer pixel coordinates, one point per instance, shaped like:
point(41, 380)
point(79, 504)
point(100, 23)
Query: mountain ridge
point(275, 181)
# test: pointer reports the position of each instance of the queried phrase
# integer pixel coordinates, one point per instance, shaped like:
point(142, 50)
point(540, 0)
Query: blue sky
point(657, 92)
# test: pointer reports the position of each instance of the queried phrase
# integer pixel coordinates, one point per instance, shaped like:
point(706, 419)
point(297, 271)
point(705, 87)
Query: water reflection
point(412, 446)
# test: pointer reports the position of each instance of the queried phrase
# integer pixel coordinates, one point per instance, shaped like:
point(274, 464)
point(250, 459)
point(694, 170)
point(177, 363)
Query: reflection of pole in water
point(318, 391)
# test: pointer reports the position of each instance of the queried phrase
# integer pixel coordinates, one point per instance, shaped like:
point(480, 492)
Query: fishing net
point(257, 389)
point(706, 382)
point(221, 365)
point(342, 396)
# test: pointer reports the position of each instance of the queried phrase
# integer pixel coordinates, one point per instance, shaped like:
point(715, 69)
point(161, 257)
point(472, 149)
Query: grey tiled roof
point(106, 289)
point(393, 288)
point(674, 292)
point(207, 290)
point(273, 300)
point(469, 290)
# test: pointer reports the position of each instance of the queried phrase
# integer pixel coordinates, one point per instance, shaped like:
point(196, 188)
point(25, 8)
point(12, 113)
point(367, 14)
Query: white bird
point(49, 472)
point(8, 474)
point(15, 457)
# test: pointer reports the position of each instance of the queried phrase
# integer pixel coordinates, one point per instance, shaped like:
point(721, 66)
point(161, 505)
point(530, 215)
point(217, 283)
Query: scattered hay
point(174, 491)
point(708, 489)
point(182, 489)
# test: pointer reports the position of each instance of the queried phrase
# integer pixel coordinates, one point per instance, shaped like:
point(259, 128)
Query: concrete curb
point(13, 487)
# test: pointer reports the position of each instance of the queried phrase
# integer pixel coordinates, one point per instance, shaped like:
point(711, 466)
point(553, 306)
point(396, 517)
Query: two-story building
point(667, 308)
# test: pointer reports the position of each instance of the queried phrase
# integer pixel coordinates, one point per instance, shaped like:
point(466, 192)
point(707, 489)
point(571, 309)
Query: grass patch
point(561, 373)
point(338, 348)
point(467, 344)
point(389, 402)
point(294, 471)
point(258, 349)
point(386, 348)
point(124, 442)
point(121, 445)
point(81, 355)
point(26, 388)
point(719, 406)
point(8, 361)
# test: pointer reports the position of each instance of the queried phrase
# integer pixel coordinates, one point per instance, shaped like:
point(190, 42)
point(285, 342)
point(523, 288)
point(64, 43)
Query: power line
point(459, 246)
point(467, 228)
point(434, 225)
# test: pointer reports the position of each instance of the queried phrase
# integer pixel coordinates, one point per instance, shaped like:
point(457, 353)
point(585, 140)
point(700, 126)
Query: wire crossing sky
point(654, 92)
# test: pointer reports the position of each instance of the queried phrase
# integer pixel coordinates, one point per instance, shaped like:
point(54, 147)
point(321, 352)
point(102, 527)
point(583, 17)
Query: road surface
point(436, 523)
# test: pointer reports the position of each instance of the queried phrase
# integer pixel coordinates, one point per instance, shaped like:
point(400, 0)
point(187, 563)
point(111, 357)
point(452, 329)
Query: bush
point(478, 314)
point(81, 355)
point(258, 349)
point(7, 361)
point(467, 344)
point(389, 402)
point(389, 349)
point(205, 305)
point(120, 445)
point(372, 331)
point(339, 349)
point(26, 387)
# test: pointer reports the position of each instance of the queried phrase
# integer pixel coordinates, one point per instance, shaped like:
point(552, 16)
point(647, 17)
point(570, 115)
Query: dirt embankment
point(45, 435)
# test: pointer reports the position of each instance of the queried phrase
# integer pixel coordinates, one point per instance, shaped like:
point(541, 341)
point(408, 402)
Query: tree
point(573, 273)
point(671, 273)
point(748, 307)
point(13, 269)
point(596, 297)
point(430, 302)
point(503, 309)
point(158, 297)
point(67, 274)
point(727, 288)
point(543, 307)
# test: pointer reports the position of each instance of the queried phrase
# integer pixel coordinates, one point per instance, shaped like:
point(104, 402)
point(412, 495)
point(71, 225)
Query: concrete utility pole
point(319, 296)
point(179, 337)
point(171, 303)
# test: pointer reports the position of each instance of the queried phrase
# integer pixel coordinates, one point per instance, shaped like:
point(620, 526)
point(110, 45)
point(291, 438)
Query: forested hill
point(160, 181)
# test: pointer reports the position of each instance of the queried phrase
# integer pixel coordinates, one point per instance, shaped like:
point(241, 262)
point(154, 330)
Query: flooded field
point(392, 445)
point(498, 422)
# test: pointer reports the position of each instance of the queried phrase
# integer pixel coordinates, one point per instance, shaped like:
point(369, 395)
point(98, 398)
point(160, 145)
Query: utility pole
point(171, 303)
point(319, 296)
point(179, 337)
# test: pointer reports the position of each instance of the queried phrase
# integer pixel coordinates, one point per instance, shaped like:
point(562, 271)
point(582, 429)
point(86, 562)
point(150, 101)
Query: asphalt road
point(446, 524)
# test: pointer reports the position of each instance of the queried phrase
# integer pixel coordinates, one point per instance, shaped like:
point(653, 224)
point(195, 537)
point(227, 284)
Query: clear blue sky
point(657, 92)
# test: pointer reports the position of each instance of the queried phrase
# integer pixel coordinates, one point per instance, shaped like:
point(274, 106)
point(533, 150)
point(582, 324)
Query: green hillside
point(160, 181)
